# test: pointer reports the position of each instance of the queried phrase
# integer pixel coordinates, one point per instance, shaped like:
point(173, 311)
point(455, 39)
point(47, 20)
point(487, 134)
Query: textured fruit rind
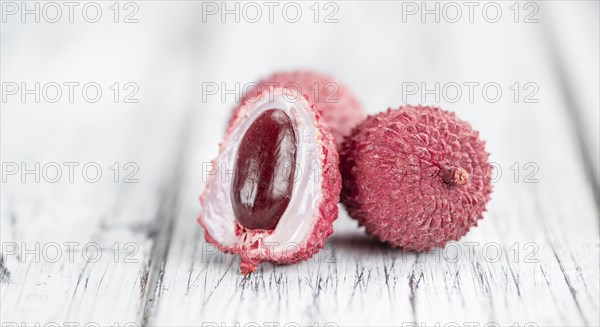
point(340, 109)
point(394, 166)
point(325, 212)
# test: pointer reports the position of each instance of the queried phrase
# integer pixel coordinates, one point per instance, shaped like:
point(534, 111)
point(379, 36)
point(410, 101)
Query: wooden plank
point(552, 224)
point(120, 219)
point(547, 231)
point(578, 71)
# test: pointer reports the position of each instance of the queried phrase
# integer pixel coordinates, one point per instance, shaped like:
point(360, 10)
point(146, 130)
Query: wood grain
point(533, 259)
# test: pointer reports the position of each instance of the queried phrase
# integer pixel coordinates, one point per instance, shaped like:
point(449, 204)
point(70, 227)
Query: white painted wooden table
point(109, 252)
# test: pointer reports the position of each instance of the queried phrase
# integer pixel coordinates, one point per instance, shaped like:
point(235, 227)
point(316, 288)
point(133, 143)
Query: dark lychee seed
point(264, 171)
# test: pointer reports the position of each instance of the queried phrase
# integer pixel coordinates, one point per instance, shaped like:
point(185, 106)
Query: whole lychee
point(341, 110)
point(415, 177)
point(272, 192)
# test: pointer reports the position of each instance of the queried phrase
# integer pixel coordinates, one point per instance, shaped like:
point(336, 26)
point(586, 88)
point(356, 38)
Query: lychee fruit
point(341, 110)
point(415, 177)
point(273, 190)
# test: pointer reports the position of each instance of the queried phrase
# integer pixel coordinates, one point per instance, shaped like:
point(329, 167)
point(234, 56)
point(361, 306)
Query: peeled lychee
point(415, 177)
point(273, 192)
point(341, 110)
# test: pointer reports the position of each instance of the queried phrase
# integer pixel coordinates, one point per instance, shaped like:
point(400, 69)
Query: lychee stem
point(456, 176)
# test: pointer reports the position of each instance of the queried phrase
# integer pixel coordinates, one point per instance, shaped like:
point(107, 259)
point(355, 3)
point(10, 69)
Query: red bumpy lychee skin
point(339, 107)
point(301, 230)
point(415, 177)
